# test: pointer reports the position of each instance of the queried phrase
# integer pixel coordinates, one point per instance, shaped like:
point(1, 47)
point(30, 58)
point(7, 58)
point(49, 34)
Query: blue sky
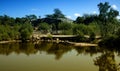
point(71, 8)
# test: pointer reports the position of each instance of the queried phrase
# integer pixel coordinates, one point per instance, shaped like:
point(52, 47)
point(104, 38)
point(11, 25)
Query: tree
point(44, 28)
point(3, 33)
point(56, 15)
point(9, 33)
point(25, 31)
point(89, 18)
point(79, 20)
point(65, 28)
point(54, 19)
point(86, 19)
point(94, 28)
point(106, 14)
point(6, 20)
point(80, 29)
point(18, 20)
point(31, 17)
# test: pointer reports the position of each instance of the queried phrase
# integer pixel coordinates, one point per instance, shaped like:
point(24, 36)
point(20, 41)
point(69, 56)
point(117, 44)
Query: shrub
point(92, 36)
point(65, 28)
point(25, 32)
point(108, 41)
point(80, 28)
point(44, 28)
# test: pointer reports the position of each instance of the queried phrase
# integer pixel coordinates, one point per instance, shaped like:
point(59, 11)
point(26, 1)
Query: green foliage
point(8, 33)
point(65, 28)
point(25, 31)
point(6, 20)
point(49, 36)
point(22, 32)
point(104, 24)
point(78, 28)
point(80, 38)
point(111, 41)
point(3, 33)
point(87, 19)
point(67, 32)
point(104, 9)
point(79, 20)
point(57, 14)
point(94, 28)
point(44, 28)
point(54, 19)
point(92, 36)
point(118, 32)
point(25, 35)
point(107, 15)
point(31, 17)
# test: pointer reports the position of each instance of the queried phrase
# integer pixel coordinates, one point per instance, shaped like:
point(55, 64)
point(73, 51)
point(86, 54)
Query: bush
point(44, 28)
point(118, 32)
point(4, 32)
point(94, 27)
point(80, 28)
point(65, 28)
point(80, 38)
point(108, 41)
point(92, 36)
point(50, 36)
point(25, 32)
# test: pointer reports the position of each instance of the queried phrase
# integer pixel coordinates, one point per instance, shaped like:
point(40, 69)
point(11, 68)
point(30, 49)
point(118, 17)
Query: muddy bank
point(1, 42)
point(57, 41)
point(82, 44)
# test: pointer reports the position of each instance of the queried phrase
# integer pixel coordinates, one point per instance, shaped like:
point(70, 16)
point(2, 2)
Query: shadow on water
point(105, 61)
point(29, 48)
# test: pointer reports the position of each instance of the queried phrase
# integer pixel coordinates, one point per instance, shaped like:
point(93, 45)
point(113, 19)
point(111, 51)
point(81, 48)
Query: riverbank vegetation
point(104, 24)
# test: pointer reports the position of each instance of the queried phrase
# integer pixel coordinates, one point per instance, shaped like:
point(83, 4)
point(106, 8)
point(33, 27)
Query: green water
point(46, 56)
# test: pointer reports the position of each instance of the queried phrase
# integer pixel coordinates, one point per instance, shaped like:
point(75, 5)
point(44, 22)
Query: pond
point(51, 56)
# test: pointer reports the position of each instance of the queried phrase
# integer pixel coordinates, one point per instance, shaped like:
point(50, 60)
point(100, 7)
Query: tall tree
point(54, 19)
point(89, 18)
point(56, 15)
point(86, 19)
point(79, 20)
point(106, 14)
point(31, 17)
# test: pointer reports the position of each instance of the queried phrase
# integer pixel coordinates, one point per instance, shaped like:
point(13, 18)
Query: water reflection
point(29, 48)
point(105, 61)
point(88, 50)
point(26, 48)
point(53, 48)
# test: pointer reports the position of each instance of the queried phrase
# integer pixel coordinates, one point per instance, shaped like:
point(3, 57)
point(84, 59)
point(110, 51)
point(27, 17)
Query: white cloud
point(114, 6)
point(69, 17)
point(94, 12)
point(118, 17)
point(76, 14)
